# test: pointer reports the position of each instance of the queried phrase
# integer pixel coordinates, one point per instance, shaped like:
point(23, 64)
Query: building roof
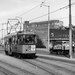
point(45, 22)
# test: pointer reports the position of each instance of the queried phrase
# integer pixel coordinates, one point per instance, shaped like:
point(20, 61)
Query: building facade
point(41, 28)
point(54, 24)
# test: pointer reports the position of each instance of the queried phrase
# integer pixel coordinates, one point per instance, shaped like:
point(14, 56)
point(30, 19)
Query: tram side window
point(14, 40)
point(10, 40)
point(6, 41)
point(19, 40)
point(26, 39)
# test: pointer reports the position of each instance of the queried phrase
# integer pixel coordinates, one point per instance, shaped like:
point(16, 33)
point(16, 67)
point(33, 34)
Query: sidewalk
point(55, 57)
point(46, 50)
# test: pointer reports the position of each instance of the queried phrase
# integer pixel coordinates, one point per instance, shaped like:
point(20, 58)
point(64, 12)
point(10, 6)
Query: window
point(26, 39)
point(14, 40)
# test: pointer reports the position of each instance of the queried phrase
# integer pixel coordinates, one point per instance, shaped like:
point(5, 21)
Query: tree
point(39, 43)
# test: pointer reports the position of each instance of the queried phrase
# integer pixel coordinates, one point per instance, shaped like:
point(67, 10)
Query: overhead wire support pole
point(48, 27)
point(48, 23)
point(70, 30)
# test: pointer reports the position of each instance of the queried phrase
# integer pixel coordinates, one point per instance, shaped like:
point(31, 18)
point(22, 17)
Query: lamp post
point(20, 22)
point(48, 22)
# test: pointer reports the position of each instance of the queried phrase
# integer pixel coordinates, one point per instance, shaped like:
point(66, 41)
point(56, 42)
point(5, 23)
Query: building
point(41, 28)
point(54, 24)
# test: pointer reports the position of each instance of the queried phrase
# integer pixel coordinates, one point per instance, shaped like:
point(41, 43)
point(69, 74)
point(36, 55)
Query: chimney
point(26, 23)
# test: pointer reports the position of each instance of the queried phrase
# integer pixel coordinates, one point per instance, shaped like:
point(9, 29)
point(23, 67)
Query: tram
point(21, 43)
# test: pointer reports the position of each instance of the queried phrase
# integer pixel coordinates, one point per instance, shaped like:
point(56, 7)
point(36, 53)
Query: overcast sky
point(13, 8)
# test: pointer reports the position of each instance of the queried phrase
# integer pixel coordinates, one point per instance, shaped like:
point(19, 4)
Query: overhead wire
point(30, 10)
point(52, 11)
point(44, 14)
point(65, 17)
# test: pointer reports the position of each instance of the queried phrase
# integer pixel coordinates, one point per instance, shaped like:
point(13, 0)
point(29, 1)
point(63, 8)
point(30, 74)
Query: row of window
point(21, 39)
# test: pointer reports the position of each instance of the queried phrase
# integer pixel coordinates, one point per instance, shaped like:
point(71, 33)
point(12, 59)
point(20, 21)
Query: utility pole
point(7, 27)
point(48, 23)
point(48, 27)
point(70, 30)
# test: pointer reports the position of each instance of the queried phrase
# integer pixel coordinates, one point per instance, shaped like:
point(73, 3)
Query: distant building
point(54, 24)
point(41, 28)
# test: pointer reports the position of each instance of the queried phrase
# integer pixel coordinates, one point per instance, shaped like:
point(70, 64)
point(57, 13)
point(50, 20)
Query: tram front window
point(27, 39)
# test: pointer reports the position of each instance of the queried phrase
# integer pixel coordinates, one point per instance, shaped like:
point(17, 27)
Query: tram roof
point(21, 32)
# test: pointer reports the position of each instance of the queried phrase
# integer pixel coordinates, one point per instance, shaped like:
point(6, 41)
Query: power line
point(64, 17)
point(52, 11)
point(44, 14)
point(30, 10)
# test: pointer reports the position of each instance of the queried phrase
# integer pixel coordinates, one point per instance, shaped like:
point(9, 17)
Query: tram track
point(44, 65)
point(9, 69)
point(52, 67)
point(4, 71)
point(21, 70)
point(67, 67)
point(49, 71)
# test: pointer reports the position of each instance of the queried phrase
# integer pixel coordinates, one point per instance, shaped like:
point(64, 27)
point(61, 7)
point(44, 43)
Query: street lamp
point(48, 22)
point(20, 21)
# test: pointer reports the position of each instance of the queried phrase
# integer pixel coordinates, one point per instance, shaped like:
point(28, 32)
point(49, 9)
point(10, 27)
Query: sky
point(9, 9)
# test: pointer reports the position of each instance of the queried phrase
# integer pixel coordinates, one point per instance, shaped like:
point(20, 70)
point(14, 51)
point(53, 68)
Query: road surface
point(46, 65)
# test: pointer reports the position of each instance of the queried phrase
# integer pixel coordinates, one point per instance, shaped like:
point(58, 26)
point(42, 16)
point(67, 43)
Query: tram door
point(9, 45)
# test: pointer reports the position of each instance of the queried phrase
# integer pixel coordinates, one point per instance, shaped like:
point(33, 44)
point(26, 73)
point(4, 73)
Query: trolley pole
point(70, 30)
